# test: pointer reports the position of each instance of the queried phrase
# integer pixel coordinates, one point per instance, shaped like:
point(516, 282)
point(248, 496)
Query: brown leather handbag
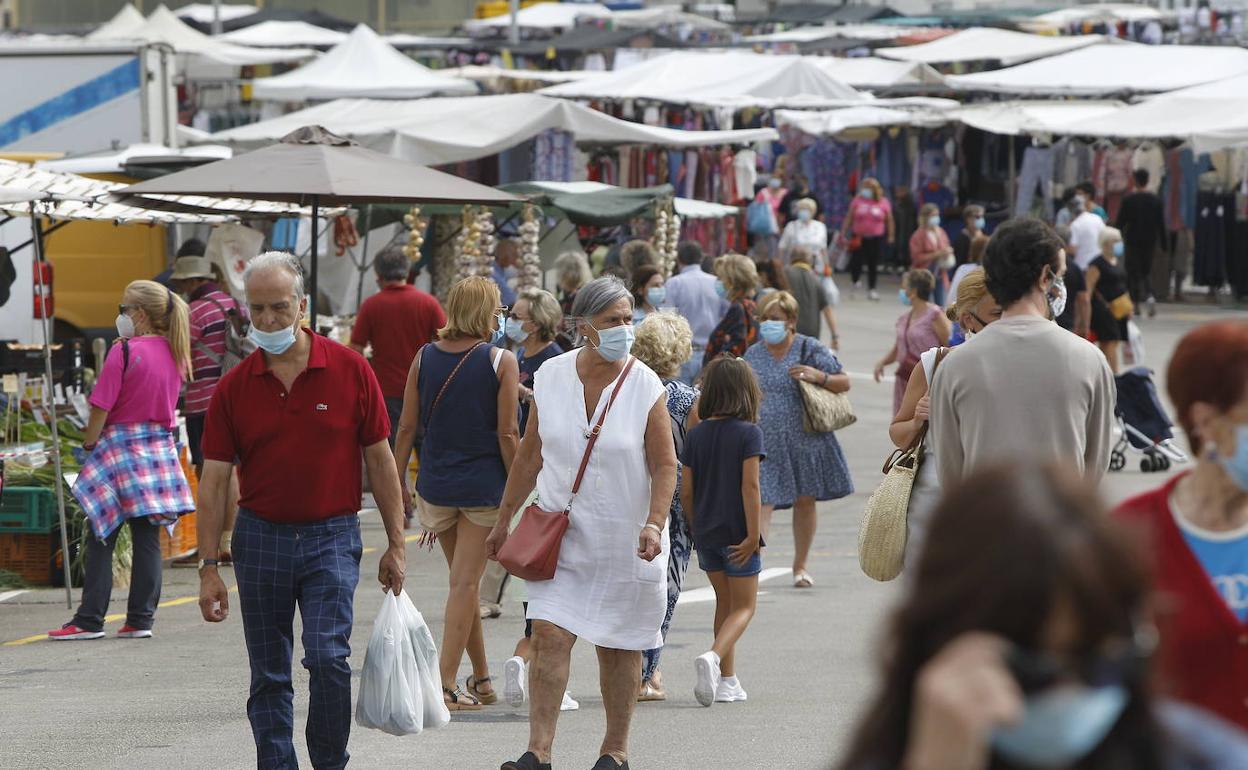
point(532, 550)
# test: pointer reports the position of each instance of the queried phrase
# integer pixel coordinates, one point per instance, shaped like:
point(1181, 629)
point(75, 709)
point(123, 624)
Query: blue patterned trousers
point(316, 567)
point(677, 565)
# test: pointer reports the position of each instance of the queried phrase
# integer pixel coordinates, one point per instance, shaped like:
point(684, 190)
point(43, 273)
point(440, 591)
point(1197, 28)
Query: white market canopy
point(543, 16)
point(164, 27)
point(834, 122)
point(851, 31)
point(1094, 12)
point(127, 21)
point(714, 79)
point(989, 44)
point(658, 16)
point(487, 72)
point(203, 13)
point(869, 72)
point(686, 208)
point(363, 65)
point(1013, 118)
point(114, 161)
point(417, 130)
point(1104, 70)
point(284, 34)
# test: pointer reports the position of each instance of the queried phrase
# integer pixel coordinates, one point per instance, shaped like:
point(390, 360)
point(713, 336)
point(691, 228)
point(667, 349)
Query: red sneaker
point(130, 632)
point(70, 632)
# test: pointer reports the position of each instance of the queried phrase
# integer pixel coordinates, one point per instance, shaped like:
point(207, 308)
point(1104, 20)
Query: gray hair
point(276, 260)
point(572, 267)
point(598, 295)
point(391, 264)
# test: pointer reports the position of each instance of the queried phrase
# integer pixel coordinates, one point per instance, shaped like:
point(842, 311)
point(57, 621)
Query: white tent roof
point(1112, 69)
point(1031, 117)
point(686, 208)
point(362, 66)
point(202, 13)
point(664, 16)
point(870, 72)
point(417, 130)
point(988, 44)
point(1095, 12)
point(127, 21)
point(283, 34)
point(163, 27)
point(833, 122)
point(114, 161)
point(548, 16)
point(722, 78)
point(811, 34)
point(481, 72)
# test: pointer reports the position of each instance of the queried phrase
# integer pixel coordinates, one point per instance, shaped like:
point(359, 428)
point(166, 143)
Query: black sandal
point(527, 761)
point(484, 698)
point(458, 700)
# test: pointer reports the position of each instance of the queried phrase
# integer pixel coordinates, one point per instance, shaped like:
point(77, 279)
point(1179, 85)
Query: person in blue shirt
point(505, 258)
point(721, 495)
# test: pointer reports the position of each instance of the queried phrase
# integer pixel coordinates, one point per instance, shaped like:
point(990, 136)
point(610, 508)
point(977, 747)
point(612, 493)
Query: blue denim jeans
point(315, 567)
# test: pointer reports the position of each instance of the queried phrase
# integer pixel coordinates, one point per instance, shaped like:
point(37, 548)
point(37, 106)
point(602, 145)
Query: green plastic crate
point(27, 509)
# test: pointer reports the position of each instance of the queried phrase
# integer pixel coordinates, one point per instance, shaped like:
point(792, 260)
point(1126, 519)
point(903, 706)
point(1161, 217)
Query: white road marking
point(4, 597)
point(888, 378)
point(707, 593)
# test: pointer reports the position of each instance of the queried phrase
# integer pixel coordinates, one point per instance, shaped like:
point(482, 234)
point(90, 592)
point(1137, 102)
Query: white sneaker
point(706, 666)
point(854, 288)
point(568, 703)
point(729, 691)
point(515, 681)
point(1152, 306)
point(873, 295)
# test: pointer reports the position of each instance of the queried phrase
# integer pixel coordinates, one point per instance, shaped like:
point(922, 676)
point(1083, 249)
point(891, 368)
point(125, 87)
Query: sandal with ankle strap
point(484, 698)
point(458, 700)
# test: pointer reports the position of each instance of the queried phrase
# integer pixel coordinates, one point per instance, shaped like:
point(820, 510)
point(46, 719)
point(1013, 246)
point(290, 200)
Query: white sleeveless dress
point(925, 494)
point(602, 590)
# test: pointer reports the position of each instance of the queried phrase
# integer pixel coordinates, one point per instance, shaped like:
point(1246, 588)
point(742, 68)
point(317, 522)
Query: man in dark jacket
point(1141, 218)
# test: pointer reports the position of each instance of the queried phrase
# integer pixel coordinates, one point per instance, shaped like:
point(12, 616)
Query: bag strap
point(125, 356)
point(917, 442)
point(593, 434)
point(445, 385)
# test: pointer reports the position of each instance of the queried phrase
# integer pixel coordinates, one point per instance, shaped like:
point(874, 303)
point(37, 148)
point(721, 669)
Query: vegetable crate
point(27, 510)
point(29, 555)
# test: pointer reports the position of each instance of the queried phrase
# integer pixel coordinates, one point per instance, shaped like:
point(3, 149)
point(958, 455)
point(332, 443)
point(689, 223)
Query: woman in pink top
point(923, 327)
point(132, 473)
point(930, 249)
point(870, 219)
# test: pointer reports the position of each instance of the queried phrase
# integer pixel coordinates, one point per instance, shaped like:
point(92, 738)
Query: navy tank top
point(460, 462)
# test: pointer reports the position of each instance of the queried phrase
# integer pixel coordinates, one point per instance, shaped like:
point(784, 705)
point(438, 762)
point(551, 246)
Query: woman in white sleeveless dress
point(610, 586)
point(973, 309)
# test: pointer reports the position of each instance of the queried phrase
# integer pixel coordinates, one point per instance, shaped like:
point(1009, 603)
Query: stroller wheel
point(1165, 462)
point(1146, 464)
point(1117, 461)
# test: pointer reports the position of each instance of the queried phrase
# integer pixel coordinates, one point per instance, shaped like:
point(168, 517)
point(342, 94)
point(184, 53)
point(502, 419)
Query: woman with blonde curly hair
point(132, 474)
point(737, 330)
point(663, 345)
point(973, 309)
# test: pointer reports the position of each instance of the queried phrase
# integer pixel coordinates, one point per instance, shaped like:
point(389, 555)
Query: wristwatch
point(208, 563)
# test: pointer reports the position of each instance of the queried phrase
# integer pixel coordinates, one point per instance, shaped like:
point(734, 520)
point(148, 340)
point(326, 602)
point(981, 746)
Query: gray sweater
point(1023, 390)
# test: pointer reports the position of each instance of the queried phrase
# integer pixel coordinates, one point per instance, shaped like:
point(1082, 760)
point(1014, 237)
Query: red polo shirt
point(397, 320)
point(298, 452)
point(1204, 646)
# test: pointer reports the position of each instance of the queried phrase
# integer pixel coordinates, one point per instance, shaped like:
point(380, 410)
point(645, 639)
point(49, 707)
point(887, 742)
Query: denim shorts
point(720, 560)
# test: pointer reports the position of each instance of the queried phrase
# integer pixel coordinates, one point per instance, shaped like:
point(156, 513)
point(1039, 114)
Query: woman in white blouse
point(806, 231)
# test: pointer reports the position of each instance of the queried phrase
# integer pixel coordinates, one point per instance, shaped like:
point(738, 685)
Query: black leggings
point(869, 254)
point(1140, 273)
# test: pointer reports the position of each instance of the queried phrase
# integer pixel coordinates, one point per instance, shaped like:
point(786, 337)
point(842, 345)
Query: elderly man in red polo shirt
point(296, 416)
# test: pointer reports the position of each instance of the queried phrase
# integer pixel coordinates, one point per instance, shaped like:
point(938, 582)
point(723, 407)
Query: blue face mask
point(515, 330)
point(274, 343)
point(655, 295)
point(500, 328)
point(720, 289)
point(804, 215)
point(933, 221)
point(867, 193)
point(773, 332)
point(1061, 726)
point(981, 223)
point(1236, 465)
point(1118, 249)
point(615, 343)
point(903, 298)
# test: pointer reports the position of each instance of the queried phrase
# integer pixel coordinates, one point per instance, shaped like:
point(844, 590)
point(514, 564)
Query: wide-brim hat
point(191, 267)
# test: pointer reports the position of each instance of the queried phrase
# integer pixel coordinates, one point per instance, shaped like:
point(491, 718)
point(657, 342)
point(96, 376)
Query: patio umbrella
point(313, 167)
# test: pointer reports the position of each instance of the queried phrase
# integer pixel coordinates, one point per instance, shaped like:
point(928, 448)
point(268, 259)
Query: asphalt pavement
point(809, 660)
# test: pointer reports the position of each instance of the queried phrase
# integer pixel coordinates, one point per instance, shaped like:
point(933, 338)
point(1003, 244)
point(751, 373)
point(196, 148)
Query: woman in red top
point(1198, 526)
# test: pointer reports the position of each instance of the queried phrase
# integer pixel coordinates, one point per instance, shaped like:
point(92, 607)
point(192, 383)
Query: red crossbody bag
point(532, 551)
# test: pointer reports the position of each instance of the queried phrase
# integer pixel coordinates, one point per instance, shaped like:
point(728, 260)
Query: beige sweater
point(1023, 390)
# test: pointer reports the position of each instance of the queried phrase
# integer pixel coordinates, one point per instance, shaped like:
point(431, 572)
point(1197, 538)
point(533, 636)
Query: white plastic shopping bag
point(400, 686)
point(1135, 344)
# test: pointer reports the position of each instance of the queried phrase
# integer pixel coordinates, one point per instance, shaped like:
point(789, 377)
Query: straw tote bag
point(822, 410)
point(531, 552)
point(882, 536)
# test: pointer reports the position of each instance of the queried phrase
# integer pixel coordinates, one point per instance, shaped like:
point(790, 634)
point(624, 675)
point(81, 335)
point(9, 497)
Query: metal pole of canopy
point(50, 398)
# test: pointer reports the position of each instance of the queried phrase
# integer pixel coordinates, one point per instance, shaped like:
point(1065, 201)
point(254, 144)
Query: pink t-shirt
point(147, 392)
point(870, 216)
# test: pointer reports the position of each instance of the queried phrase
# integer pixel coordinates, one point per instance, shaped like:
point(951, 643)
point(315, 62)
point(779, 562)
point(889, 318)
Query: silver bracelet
point(655, 527)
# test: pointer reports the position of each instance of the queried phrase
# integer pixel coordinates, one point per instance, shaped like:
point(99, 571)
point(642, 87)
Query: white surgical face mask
point(614, 343)
point(125, 326)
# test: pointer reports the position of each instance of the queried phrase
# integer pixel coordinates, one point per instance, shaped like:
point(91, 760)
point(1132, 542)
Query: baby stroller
point(1144, 425)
